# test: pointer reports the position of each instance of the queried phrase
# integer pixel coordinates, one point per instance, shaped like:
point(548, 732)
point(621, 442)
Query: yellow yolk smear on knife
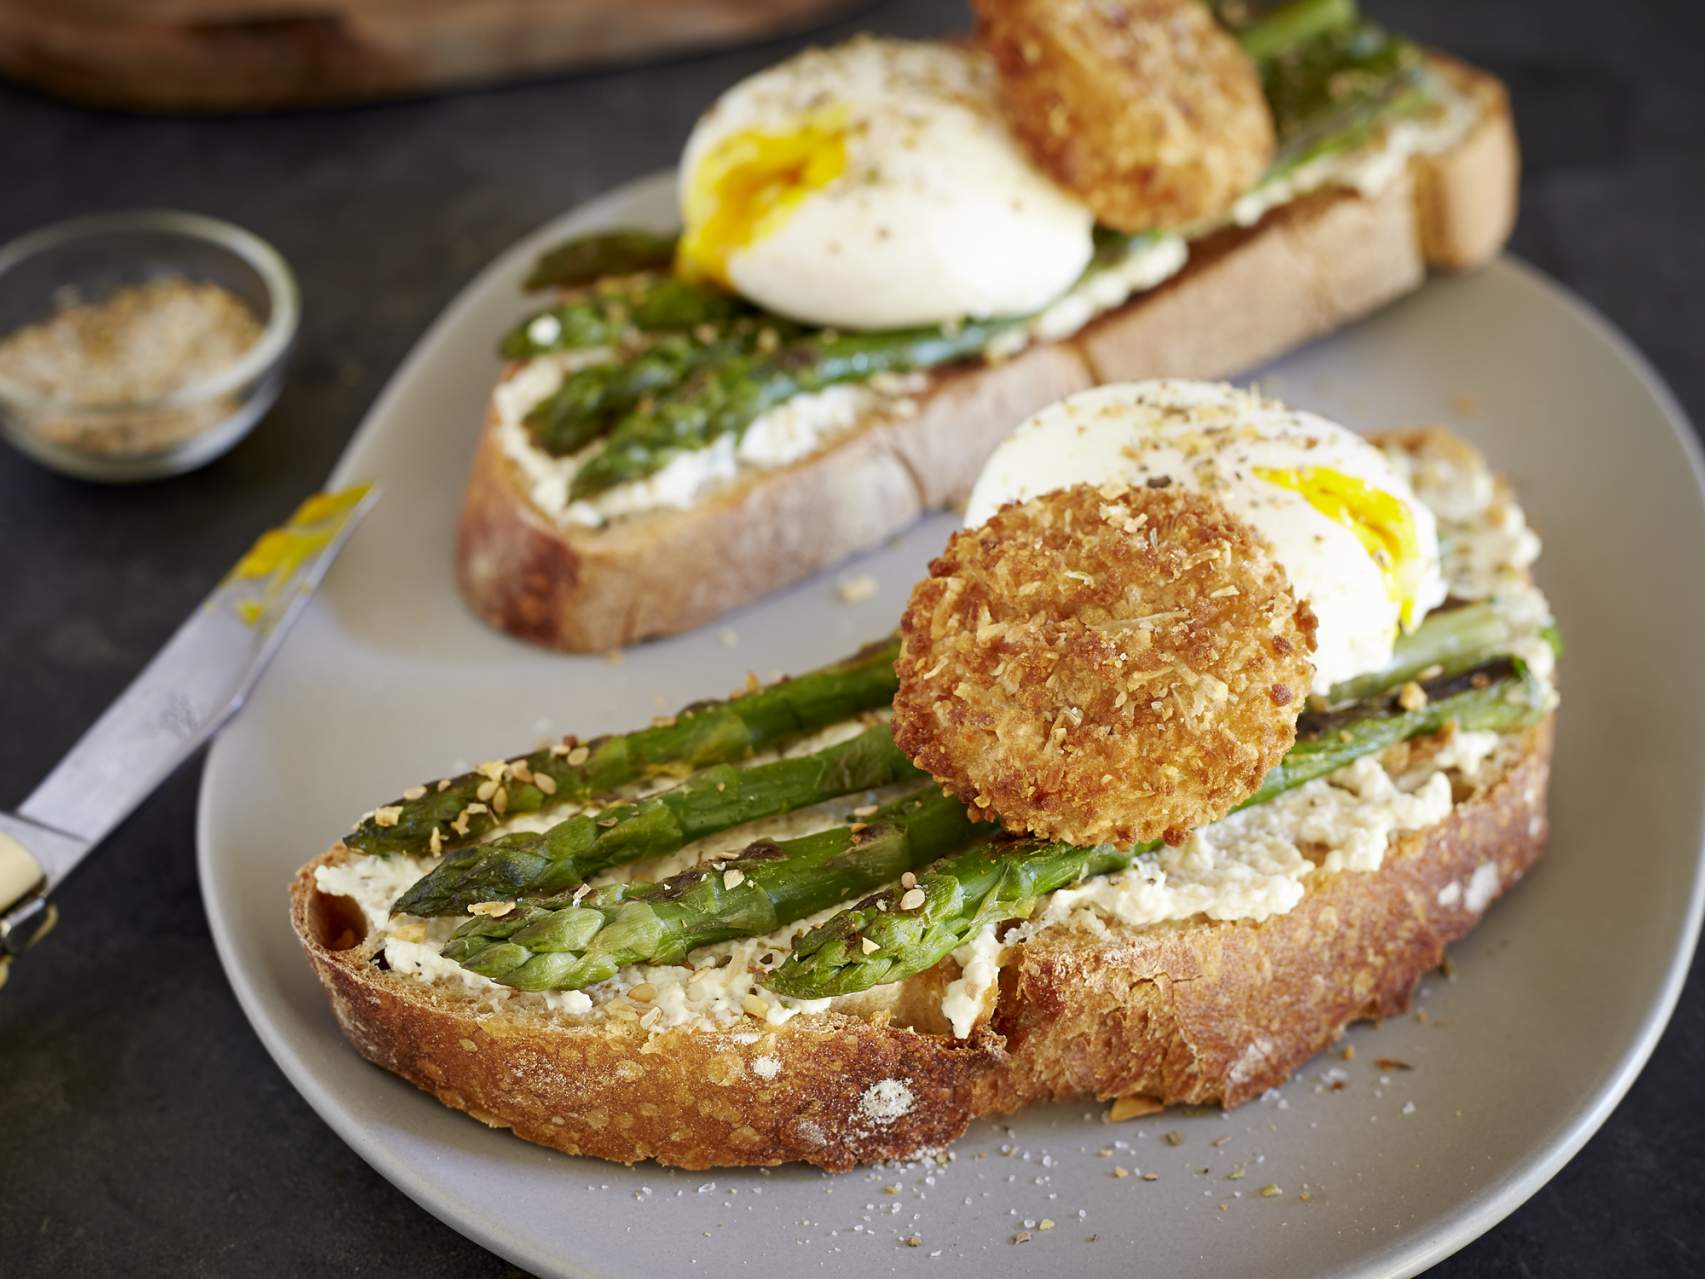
point(1381, 522)
point(280, 553)
point(751, 182)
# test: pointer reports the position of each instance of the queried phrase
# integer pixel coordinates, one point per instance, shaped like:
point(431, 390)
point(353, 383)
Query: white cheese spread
point(1484, 537)
point(1255, 864)
point(1149, 263)
point(1486, 556)
point(969, 996)
point(715, 988)
point(784, 434)
point(1138, 271)
point(1466, 752)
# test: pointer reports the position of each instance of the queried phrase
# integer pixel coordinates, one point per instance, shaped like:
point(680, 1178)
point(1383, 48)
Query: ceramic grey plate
point(1557, 999)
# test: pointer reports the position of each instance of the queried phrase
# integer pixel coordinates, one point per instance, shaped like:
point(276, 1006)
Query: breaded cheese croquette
point(1147, 110)
point(1103, 665)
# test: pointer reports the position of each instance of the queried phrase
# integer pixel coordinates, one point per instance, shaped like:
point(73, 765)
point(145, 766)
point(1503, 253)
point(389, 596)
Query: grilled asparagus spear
point(560, 944)
point(612, 313)
point(728, 398)
point(581, 407)
point(901, 931)
point(1330, 92)
point(1446, 643)
point(770, 884)
point(459, 809)
point(1453, 640)
point(529, 864)
point(1283, 27)
point(590, 399)
point(586, 259)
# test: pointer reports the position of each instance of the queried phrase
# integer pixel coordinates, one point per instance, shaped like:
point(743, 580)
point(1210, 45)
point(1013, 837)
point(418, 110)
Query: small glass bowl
point(86, 260)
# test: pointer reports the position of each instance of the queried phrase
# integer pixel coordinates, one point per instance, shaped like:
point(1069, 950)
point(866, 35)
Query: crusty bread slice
point(1194, 1012)
point(1245, 296)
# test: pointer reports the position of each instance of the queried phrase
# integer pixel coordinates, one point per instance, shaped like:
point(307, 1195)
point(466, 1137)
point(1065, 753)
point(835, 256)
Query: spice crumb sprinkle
point(855, 590)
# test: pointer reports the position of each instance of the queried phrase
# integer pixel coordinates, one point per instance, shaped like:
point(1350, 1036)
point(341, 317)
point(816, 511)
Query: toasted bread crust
point(1466, 198)
point(1189, 1013)
point(1206, 1012)
point(1245, 296)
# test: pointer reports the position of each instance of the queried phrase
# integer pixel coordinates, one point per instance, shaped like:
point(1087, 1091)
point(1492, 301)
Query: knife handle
point(26, 916)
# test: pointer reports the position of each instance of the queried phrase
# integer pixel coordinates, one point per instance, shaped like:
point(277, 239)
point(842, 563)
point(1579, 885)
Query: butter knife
point(193, 685)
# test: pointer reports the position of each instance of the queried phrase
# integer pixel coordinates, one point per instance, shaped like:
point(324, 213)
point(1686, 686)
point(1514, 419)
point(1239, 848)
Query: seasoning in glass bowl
point(143, 344)
point(140, 344)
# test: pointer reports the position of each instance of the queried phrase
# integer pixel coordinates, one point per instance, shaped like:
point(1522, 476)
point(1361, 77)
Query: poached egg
point(875, 185)
point(1353, 538)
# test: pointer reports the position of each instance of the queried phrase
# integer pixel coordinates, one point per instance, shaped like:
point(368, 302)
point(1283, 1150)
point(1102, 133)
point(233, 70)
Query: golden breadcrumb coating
point(1103, 665)
point(1148, 110)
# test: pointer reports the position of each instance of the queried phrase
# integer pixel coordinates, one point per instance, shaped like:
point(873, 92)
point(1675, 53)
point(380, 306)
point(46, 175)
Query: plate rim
point(1477, 1214)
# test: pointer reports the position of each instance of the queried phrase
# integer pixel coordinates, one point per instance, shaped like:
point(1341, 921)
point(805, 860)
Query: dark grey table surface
point(143, 1129)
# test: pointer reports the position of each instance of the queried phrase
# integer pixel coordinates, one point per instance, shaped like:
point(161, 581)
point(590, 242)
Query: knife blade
point(193, 685)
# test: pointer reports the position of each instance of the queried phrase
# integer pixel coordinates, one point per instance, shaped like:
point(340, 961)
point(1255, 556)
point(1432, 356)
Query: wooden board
point(235, 55)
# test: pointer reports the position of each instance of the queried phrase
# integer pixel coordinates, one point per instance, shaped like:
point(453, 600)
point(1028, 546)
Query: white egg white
point(1213, 438)
point(937, 213)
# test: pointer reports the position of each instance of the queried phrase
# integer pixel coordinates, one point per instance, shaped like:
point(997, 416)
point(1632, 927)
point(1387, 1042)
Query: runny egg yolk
point(1381, 522)
point(751, 182)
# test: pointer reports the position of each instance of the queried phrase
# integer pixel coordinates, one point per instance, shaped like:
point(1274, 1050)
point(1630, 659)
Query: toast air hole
point(334, 922)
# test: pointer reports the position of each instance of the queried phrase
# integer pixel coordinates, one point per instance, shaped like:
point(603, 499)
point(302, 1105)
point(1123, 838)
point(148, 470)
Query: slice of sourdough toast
point(1245, 296)
point(1192, 1012)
